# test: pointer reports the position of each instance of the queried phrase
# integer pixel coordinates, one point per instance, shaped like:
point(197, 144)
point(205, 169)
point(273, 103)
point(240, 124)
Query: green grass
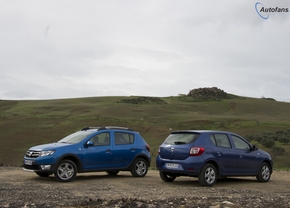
point(27, 123)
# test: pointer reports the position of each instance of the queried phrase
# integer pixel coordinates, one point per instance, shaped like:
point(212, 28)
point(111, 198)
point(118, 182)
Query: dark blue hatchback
point(208, 154)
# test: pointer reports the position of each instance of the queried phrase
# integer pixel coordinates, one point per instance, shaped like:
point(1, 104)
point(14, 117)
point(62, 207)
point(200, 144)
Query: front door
point(98, 156)
point(247, 161)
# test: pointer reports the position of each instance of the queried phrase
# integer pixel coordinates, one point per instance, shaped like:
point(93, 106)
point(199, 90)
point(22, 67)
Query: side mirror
point(254, 147)
point(89, 143)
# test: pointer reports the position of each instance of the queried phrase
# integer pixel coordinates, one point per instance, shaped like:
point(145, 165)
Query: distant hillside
point(27, 123)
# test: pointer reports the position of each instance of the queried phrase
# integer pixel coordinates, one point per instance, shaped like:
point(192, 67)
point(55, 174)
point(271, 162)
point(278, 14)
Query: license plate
point(171, 165)
point(28, 162)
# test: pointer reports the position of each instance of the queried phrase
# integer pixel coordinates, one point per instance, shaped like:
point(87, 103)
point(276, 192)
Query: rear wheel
point(208, 175)
point(264, 173)
point(165, 177)
point(139, 168)
point(65, 171)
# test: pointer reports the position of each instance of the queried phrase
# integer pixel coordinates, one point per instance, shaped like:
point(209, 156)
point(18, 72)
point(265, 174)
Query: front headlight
point(46, 153)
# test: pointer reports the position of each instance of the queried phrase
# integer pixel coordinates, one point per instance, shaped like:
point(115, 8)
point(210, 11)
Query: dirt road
point(24, 189)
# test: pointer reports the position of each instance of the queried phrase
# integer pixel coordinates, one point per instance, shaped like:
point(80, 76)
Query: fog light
point(45, 167)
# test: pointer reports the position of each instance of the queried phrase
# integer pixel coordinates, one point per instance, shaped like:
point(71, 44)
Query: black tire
point(41, 174)
point(112, 172)
point(65, 171)
point(208, 175)
point(140, 168)
point(264, 173)
point(165, 177)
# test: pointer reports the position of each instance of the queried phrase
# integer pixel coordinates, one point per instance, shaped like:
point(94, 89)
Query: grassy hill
point(27, 123)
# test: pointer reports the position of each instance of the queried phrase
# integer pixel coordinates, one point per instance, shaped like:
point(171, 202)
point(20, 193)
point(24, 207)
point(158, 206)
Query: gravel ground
point(24, 189)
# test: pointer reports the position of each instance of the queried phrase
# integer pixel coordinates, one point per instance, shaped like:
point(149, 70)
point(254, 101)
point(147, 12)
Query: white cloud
point(72, 48)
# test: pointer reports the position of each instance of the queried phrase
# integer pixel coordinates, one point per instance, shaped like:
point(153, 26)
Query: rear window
point(181, 138)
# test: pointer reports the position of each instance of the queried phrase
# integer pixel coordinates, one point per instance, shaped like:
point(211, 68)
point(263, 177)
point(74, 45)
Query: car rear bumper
point(191, 166)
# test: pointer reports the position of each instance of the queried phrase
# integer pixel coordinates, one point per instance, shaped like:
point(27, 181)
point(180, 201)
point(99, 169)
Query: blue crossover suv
point(110, 149)
point(208, 154)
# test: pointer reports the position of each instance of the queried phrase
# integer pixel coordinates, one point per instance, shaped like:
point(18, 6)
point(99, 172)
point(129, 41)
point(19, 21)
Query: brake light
point(196, 151)
point(147, 147)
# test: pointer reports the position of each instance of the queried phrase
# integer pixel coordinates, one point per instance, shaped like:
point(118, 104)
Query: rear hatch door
point(177, 145)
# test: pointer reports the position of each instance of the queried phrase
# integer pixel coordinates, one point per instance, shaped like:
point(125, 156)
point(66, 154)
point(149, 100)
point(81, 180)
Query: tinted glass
point(240, 143)
point(220, 140)
point(101, 139)
point(181, 138)
point(75, 137)
point(123, 138)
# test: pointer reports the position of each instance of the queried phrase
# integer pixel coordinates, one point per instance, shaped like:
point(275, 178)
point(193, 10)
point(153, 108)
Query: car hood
point(265, 154)
point(49, 146)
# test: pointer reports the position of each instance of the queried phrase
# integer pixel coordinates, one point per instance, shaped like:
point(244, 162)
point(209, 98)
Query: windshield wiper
point(179, 142)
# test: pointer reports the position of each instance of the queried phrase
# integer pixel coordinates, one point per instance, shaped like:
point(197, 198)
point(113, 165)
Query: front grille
point(32, 154)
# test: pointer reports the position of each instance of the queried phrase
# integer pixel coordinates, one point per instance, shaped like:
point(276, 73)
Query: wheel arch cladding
point(74, 159)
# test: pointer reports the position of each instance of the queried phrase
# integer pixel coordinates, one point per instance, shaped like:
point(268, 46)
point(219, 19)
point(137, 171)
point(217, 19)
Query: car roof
point(201, 131)
point(105, 128)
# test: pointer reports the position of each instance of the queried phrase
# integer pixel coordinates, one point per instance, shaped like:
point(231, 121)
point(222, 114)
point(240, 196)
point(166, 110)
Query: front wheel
point(264, 173)
point(139, 168)
point(165, 177)
point(65, 171)
point(208, 175)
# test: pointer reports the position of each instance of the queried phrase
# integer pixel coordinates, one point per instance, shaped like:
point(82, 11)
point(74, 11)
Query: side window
point(101, 139)
point(220, 140)
point(213, 139)
point(240, 143)
point(123, 138)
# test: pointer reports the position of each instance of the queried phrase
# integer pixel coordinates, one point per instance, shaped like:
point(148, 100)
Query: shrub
point(278, 150)
point(144, 100)
point(258, 137)
point(284, 140)
point(268, 142)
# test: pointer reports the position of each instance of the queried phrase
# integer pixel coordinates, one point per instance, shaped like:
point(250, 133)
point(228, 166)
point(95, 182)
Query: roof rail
point(88, 128)
point(114, 127)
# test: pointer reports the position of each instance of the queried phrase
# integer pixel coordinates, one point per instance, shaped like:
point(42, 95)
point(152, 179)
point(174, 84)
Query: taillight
point(147, 147)
point(196, 151)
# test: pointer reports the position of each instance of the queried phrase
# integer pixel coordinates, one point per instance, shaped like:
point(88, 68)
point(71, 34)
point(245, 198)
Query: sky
point(54, 49)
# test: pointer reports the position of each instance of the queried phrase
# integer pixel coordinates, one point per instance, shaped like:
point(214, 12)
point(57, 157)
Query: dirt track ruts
point(24, 189)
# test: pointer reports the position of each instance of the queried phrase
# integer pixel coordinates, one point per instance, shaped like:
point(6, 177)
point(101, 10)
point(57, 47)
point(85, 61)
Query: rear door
point(124, 149)
point(225, 153)
point(177, 145)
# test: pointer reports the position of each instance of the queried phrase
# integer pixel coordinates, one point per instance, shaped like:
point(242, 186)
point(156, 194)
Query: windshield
point(181, 138)
point(75, 137)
